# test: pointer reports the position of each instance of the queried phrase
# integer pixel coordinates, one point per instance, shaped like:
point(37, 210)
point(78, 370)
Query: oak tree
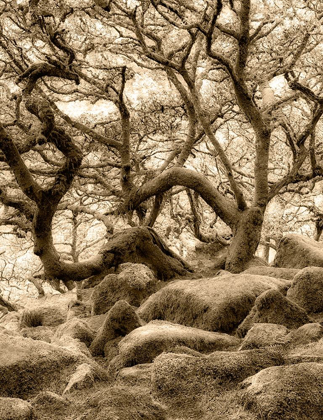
point(220, 100)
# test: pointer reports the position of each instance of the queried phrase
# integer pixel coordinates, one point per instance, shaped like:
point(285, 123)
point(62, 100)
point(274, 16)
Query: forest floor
point(272, 372)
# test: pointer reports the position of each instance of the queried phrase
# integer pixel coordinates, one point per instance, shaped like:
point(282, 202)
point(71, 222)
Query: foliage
point(110, 113)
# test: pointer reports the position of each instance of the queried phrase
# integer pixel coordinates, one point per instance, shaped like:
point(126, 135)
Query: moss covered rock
point(179, 379)
point(48, 402)
point(76, 328)
point(134, 284)
point(145, 343)
point(307, 289)
point(28, 366)
point(215, 304)
point(286, 392)
point(272, 307)
point(264, 335)
point(308, 333)
point(297, 251)
point(15, 409)
point(72, 344)
point(120, 321)
point(39, 333)
point(311, 352)
point(124, 403)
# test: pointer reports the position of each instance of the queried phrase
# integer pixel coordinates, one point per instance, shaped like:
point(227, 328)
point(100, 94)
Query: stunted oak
point(238, 84)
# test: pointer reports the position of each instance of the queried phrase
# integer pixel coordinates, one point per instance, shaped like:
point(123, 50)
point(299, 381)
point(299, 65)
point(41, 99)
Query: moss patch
point(43, 316)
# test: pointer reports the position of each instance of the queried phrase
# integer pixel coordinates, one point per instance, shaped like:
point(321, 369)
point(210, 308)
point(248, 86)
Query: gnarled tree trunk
point(137, 245)
point(245, 241)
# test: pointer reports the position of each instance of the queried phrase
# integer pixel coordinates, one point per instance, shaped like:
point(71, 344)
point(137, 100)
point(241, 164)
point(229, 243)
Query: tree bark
point(245, 241)
point(5, 303)
point(137, 245)
point(267, 249)
point(318, 229)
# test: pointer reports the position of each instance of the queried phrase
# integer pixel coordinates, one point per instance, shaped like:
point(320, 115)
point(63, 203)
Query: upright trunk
point(318, 229)
point(245, 241)
point(266, 253)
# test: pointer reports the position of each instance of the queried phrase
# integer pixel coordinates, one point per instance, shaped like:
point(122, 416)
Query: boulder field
point(246, 346)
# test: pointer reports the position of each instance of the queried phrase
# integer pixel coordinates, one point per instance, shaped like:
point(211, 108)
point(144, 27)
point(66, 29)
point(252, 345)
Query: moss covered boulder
point(15, 409)
point(215, 304)
point(307, 289)
point(48, 402)
point(272, 307)
point(277, 272)
point(311, 352)
point(75, 328)
point(286, 392)
point(181, 380)
point(134, 284)
point(308, 333)
point(28, 366)
point(143, 344)
point(264, 335)
point(124, 403)
point(120, 321)
point(297, 251)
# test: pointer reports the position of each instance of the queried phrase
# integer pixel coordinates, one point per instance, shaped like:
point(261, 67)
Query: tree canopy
point(125, 109)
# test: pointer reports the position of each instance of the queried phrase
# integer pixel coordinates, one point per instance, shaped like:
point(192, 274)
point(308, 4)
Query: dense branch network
point(238, 127)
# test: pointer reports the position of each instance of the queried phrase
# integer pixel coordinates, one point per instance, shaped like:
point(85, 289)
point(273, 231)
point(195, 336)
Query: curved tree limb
point(224, 207)
point(137, 245)
point(37, 71)
point(197, 222)
point(25, 180)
